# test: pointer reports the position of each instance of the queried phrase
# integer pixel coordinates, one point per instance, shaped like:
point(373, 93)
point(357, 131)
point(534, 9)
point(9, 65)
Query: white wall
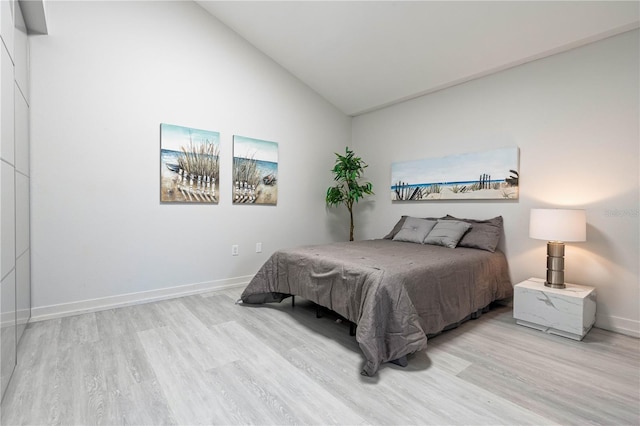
point(574, 117)
point(103, 80)
point(109, 73)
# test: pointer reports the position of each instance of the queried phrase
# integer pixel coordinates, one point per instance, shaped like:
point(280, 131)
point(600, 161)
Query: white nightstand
point(568, 312)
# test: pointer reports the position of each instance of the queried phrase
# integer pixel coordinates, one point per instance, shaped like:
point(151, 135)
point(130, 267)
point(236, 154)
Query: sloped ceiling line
point(366, 55)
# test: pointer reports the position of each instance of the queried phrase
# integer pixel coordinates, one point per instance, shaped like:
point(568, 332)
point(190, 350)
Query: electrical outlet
point(234, 250)
point(258, 247)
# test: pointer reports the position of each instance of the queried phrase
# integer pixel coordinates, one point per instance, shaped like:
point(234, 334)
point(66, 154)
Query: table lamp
point(557, 226)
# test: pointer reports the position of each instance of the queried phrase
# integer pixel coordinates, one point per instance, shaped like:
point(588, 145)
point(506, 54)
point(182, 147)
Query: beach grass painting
point(486, 175)
point(189, 165)
point(255, 171)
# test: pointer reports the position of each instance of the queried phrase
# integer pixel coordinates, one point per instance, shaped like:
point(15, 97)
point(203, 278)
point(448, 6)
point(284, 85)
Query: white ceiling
point(364, 55)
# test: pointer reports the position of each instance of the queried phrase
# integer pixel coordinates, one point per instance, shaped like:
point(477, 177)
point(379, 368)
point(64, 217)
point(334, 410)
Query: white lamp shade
point(558, 225)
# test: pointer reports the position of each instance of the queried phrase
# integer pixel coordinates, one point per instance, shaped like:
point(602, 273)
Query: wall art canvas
point(255, 171)
point(189, 165)
point(487, 175)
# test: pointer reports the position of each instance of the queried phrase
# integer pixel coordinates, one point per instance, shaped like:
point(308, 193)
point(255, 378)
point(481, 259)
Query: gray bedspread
point(396, 292)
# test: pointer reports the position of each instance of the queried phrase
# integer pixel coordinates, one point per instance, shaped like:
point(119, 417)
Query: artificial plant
point(348, 190)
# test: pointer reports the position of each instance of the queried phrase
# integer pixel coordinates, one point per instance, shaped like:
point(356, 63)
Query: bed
point(397, 292)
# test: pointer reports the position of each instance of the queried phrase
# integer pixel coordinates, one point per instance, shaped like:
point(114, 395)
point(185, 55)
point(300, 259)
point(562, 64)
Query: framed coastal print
point(255, 171)
point(189, 165)
point(486, 175)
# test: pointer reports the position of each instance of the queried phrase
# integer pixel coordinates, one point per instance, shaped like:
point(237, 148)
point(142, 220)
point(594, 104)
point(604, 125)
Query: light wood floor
point(204, 360)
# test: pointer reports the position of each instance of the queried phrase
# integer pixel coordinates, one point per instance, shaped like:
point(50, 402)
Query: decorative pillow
point(484, 234)
point(395, 229)
point(414, 230)
point(398, 226)
point(447, 233)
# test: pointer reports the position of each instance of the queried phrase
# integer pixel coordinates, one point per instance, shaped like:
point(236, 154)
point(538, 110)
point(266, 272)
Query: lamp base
point(552, 285)
point(555, 265)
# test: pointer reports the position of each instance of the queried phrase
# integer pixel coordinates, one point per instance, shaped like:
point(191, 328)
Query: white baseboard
point(11, 318)
point(42, 313)
point(618, 325)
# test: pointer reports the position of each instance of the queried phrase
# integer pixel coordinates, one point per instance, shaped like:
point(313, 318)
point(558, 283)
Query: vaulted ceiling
point(364, 55)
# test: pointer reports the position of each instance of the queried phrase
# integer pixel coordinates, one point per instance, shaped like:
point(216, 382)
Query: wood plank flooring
point(205, 360)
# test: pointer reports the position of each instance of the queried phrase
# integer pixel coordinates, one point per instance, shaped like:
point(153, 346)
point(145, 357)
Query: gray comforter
point(396, 292)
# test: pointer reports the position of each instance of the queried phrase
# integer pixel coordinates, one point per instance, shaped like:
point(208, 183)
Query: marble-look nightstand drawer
point(568, 312)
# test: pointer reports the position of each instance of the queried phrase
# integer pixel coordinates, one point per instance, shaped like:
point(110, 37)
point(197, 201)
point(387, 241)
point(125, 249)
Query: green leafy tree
point(347, 172)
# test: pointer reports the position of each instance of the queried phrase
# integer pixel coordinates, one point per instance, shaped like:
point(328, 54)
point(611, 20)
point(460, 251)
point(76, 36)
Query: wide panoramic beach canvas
point(189, 165)
point(255, 171)
point(479, 175)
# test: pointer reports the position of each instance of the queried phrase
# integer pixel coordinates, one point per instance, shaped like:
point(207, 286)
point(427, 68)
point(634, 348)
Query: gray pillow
point(484, 234)
point(398, 226)
point(395, 229)
point(447, 233)
point(414, 230)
